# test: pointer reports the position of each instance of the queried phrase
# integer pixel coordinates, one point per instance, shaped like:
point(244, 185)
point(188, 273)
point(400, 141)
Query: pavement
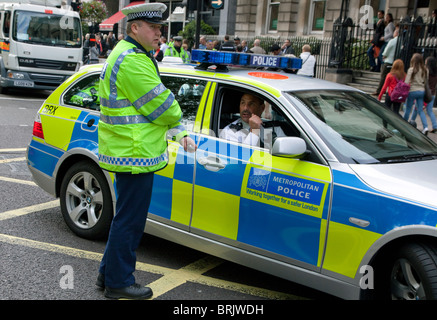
point(432, 136)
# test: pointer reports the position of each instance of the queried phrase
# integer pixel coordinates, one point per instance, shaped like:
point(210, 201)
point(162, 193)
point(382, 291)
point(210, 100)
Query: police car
point(344, 201)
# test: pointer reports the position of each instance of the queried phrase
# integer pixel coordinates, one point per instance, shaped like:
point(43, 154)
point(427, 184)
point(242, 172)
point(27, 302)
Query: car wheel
point(414, 273)
point(86, 202)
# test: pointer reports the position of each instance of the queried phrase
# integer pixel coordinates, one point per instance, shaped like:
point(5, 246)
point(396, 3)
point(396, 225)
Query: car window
point(188, 92)
point(359, 130)
point(275, 124)
point(84, 93)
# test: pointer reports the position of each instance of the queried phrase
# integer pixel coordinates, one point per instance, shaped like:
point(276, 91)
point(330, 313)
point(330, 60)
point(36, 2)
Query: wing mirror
point(290, 147)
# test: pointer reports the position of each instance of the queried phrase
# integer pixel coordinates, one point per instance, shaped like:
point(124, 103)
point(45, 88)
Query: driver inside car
point(249, 128)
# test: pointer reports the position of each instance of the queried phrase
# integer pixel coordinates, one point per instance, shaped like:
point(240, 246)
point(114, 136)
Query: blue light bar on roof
point(244, 59)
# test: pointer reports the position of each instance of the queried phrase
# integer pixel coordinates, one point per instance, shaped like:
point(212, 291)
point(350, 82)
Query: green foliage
point(356, 54)
point(189, 31)
point(299, 42)
point(92, 12)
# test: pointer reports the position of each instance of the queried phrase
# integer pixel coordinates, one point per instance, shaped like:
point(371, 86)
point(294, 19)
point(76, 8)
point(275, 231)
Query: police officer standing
point(177, 50)
point(137, 110)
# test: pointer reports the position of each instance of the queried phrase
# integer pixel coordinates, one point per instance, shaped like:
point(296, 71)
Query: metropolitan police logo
point(258, 179)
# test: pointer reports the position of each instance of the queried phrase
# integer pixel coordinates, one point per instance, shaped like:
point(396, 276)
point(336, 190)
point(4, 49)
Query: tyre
point(86, 202)
point(414, 272)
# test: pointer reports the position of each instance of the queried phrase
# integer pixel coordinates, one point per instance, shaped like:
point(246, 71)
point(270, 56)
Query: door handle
point(91, 122)
point(211, 163)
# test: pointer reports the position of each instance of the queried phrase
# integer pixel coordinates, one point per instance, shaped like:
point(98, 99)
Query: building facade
point(287, 18)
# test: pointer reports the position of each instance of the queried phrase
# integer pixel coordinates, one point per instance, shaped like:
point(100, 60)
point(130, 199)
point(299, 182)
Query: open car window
point(274, 122)
point(228, 111)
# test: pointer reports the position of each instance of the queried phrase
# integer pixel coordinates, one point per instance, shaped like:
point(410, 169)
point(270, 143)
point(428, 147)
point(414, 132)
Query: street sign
point(217, 4)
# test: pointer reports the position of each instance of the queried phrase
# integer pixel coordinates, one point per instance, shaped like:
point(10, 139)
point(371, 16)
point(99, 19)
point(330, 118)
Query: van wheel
point(86, 202)
point(414, 272)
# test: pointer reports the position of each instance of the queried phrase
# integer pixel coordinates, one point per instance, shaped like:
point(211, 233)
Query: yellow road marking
point(18, 181)
point(13, 150)
point(171, 279)
point(191, 272)
point(78, 253)
point(22, 211)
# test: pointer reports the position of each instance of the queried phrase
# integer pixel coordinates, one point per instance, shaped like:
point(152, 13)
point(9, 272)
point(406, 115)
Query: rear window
point(84, 93)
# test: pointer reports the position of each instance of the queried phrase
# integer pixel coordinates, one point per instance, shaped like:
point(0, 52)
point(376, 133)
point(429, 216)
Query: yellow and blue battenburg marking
point(284, 205)
point(247, 201)
point(172, 186)
point(43, 157)
point(79, 130)
point(347, 243)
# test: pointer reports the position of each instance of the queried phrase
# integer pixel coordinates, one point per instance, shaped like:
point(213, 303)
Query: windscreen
point(359, 129)
point(47, 29)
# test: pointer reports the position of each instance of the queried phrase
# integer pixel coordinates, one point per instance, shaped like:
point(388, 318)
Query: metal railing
point(349, 45)
point(350, 42)
point(416, 36)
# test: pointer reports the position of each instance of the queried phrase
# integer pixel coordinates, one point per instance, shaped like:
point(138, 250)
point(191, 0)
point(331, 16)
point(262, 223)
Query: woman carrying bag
point(417, 75)
point(395, 75)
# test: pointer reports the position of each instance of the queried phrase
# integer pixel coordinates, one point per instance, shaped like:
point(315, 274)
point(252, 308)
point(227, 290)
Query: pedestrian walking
point(395, 75)
point(417, 75)
point(431, 65)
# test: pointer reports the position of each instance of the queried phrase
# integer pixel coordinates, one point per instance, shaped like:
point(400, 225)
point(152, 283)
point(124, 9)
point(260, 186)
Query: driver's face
point(250, 105)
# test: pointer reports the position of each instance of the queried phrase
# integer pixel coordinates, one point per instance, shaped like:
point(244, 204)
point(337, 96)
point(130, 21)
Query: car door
point(173, 186)
point(248, 198)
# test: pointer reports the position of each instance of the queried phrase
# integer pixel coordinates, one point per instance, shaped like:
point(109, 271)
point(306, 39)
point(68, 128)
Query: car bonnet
point(415, 181)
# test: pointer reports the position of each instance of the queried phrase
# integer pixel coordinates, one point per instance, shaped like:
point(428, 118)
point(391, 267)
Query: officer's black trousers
point(134, 192)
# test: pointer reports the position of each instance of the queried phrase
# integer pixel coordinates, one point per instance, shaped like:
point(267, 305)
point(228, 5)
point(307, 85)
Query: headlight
point(15, 75)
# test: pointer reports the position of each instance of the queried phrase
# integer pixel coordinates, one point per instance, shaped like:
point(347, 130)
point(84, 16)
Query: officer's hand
point(188, 144)
point(255, 123)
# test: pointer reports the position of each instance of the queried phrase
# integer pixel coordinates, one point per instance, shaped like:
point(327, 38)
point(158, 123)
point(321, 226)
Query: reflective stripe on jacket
point(137, 110)
point(172, 52)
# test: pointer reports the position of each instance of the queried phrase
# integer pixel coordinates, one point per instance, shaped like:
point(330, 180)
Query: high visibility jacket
point(137, 110)
point(172, 52)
